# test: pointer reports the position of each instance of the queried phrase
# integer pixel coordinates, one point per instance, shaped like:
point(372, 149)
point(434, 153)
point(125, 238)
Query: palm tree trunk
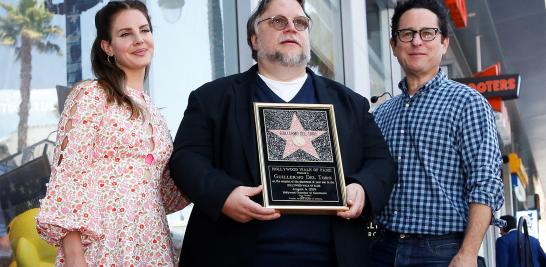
point(24, 107)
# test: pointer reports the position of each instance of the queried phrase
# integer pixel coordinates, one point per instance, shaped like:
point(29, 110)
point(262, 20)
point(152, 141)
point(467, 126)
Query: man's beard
point(289, 61)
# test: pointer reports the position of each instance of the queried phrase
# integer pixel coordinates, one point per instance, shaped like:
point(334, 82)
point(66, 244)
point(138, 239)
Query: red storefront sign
point(457, 10)
point(503, 86)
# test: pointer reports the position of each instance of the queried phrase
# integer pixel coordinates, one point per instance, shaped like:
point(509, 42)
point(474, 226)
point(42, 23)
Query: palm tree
point(23, 27)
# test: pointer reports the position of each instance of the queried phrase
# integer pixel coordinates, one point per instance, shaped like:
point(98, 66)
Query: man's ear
point(393, 46)
point(445, 45)
point(254, 42)
point(106, 47)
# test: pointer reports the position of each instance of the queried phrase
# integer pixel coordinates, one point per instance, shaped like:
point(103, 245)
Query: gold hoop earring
point(109, 60)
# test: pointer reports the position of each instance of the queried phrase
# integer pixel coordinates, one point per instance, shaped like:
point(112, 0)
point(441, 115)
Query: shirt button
point(399, 158)
point(407, 105)
point(402, 131)
point(398, 185)
point(395, 212)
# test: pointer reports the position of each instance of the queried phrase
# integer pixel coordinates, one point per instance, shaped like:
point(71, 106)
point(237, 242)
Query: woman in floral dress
point(110, 189)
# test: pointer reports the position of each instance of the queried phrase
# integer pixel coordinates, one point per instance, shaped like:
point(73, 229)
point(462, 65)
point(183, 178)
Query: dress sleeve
point(173, 200)
point(72, 198)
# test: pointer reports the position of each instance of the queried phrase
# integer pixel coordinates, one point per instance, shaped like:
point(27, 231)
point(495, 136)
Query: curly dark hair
point(510, 222)
point(431, 5)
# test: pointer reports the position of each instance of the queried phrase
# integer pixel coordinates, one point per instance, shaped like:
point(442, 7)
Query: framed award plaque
point(300, 163)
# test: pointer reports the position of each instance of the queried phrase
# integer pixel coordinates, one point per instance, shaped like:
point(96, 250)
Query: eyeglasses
point(426, 34)
point(280, 22)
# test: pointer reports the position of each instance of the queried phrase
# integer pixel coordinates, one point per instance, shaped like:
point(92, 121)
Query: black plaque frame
point(301, 182)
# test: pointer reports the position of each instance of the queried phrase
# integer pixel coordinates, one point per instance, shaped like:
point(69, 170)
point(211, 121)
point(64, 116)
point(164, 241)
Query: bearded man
point(215, 158)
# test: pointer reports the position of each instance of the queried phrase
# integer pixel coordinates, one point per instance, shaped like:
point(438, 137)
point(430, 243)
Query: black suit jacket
point(215, 150)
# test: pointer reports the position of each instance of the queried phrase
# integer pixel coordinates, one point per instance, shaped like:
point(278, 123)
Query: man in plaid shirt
point(443, 136)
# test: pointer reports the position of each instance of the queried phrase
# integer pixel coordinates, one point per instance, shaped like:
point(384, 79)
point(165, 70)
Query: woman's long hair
point(109, 75)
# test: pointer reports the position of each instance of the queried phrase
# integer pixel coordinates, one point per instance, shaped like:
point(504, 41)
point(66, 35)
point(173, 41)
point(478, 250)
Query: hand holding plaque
point(300, 163)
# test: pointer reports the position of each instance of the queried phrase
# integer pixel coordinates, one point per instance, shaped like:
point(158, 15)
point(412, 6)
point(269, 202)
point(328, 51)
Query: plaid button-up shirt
point(444, 140)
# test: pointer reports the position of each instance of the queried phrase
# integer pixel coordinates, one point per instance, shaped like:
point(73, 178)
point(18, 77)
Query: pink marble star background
point(298, 138)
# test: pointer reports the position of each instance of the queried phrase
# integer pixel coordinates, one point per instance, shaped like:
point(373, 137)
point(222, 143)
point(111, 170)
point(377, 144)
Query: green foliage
point(30, 20)
point(25, 26)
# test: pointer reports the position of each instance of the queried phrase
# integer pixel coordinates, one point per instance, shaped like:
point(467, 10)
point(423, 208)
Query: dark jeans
point(391, 249)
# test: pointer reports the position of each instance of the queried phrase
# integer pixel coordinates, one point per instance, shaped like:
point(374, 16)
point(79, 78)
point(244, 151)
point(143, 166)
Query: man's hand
point(356, 199)
point(462, 260)
point(241, 208)
point(479, 217)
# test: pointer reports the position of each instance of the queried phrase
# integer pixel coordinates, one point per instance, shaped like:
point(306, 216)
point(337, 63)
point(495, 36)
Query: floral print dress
point(110, 181)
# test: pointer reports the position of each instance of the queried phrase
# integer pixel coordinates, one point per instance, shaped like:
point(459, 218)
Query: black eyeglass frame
point(286, 19)
point(420, 31)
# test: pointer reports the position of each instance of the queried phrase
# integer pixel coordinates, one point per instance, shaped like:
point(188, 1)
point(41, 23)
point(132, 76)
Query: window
point(377, 19)
point(196, 47)
point(325, 35)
